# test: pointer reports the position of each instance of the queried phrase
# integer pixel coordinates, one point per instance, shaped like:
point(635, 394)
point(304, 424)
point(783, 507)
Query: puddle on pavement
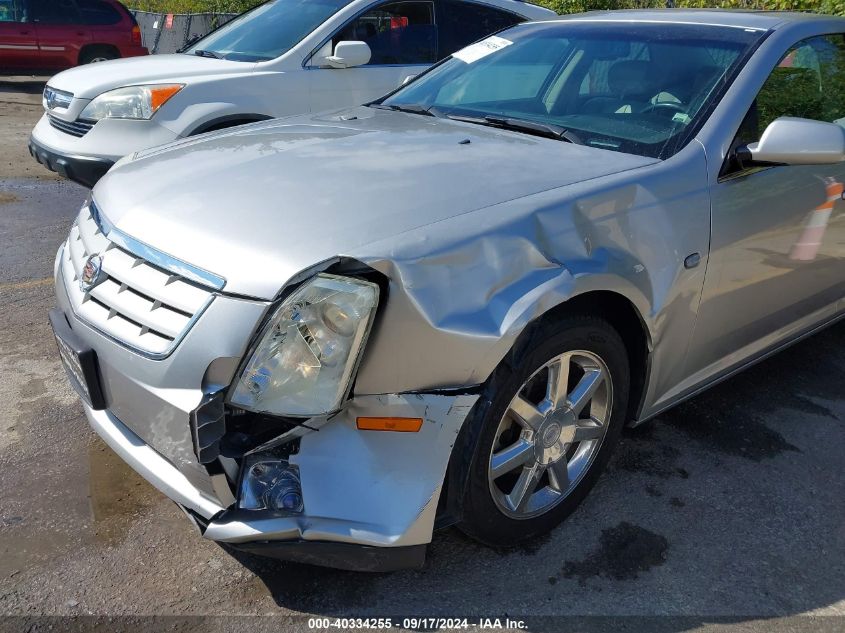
point(77, 507)
point(118, 494)
point(624, 552)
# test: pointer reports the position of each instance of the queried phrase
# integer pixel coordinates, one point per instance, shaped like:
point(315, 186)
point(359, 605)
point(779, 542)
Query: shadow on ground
point(27, 85)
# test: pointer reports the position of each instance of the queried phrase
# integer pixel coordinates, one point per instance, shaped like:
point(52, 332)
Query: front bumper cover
point(204, 511)
point(380, 519)
point(340, 555)
point(85, 170)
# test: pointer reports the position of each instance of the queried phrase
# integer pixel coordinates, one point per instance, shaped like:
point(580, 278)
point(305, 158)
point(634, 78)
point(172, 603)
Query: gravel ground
point(725, 514)
point(20, 108)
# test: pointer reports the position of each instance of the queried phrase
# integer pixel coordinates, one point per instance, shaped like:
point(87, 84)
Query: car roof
point(522, 7)
point(717, 17)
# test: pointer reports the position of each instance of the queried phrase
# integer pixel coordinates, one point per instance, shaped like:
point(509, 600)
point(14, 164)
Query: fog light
point(269, 483)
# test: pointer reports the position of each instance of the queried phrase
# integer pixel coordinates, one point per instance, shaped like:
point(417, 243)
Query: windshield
point(638, 88)
point(267, 31)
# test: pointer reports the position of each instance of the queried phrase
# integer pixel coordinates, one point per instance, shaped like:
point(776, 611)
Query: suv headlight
point(133, 102)
point(308, 351)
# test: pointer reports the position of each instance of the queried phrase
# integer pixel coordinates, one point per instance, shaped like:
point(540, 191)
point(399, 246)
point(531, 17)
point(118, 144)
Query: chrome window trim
point(634, 20)
point(153, 255)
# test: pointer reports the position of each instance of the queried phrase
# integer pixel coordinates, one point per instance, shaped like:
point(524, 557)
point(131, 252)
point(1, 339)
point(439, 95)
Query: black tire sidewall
point(481, 517)
point(89, 56)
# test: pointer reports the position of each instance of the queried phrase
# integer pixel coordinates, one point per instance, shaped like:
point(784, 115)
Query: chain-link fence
point(168, 32)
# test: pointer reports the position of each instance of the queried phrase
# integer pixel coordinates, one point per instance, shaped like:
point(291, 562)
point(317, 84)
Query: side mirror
point(349, 55)
point(794, 141)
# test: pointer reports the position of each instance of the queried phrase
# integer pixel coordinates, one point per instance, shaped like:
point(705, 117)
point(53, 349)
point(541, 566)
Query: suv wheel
point(98, 54)
point(554, 419)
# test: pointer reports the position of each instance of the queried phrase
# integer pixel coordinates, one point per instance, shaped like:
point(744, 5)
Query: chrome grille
point(74, 128)
point(136, 302)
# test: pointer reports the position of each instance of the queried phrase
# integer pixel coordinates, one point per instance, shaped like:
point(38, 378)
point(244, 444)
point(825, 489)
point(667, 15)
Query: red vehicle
point(57, 34)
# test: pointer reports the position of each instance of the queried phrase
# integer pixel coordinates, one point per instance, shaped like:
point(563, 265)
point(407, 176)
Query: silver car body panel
point(562, 220)
point(395, 153)
point(477, 240)
point(151, 465)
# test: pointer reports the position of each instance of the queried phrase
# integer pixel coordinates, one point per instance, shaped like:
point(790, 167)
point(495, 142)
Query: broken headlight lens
point(270, 484)
point(307, 353)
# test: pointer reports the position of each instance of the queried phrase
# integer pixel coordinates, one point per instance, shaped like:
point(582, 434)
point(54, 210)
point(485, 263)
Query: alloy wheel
point(550, 434)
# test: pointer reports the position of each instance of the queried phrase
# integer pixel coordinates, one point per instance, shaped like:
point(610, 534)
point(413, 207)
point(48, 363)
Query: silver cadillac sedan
point(327, 336)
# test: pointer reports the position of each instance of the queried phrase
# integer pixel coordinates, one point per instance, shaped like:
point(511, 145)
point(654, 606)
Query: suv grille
point(136, 302)
point(74, 128)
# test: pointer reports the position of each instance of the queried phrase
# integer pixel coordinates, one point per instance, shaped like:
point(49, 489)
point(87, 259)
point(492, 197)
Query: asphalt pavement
point(726, 513)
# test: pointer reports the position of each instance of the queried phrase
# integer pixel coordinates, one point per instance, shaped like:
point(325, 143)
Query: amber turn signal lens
point(402, 425)
point(160, 94)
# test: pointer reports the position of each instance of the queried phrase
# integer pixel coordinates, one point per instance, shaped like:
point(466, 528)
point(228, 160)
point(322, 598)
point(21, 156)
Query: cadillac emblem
point(91, 273)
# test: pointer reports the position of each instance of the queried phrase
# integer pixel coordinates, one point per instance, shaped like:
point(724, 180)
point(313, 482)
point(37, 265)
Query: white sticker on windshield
point(474, 52)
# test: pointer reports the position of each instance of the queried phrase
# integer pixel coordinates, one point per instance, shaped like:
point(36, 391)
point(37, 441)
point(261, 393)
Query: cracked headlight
point(307, 353)
point(133, 102)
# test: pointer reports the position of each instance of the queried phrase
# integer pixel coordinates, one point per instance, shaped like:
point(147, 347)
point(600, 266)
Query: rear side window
point(463, 23)
point(54, 12)
point(98, 13)
point(396, 32)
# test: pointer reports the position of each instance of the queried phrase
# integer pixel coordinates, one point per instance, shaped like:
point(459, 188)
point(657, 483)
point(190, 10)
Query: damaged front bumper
point(370, 498)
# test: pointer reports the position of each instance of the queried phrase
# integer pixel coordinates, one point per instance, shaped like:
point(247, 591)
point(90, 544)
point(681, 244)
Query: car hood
point(261, 203)
point(86, 82)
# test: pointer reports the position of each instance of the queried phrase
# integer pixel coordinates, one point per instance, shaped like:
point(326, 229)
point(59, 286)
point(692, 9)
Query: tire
point(98, 54)
point(493, 512)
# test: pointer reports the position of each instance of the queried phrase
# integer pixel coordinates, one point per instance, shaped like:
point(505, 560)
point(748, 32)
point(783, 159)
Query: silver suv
point(326, 336)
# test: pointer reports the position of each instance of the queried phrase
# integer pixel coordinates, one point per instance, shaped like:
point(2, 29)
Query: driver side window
point(401, 33)
point(808, 82)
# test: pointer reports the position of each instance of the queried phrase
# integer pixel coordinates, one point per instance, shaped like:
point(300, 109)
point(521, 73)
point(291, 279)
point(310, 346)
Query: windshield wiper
point(208, 54)
point(410, 108)
point(548, 130)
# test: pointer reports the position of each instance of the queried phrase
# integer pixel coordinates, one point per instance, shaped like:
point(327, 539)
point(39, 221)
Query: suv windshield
point(267, 31)
point(640, 88)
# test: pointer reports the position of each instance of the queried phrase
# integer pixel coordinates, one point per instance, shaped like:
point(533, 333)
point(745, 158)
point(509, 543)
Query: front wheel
point(554, 419)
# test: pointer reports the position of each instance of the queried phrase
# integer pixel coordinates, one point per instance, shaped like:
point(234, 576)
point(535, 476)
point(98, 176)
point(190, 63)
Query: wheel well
point(614, 308)
point(89, 49)
point(621, 314)
point(230, 121)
